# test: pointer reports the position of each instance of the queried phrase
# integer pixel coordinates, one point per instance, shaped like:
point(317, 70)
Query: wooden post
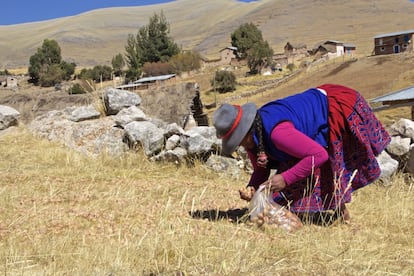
point(412, 112)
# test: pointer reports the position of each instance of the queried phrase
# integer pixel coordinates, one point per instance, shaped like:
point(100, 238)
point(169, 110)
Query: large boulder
point(8, 117)
point(90, 136)
point(116, 99)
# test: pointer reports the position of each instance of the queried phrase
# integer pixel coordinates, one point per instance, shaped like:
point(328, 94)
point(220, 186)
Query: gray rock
point(399, 146)
point(196, 144)
point(410, 161)
point(387, 164)
point(403, 127)
point(8, 117)
point(146, 134)
point(92, 137)
point(115, 100)
point(173, 129)
point(83, 113)
point(172, 142)
point(130, 114)
point(224, 165)
point(177, 155)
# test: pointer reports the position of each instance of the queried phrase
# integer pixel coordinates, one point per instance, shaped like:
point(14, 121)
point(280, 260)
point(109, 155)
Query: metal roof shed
point(157, 78)
point(400, 98)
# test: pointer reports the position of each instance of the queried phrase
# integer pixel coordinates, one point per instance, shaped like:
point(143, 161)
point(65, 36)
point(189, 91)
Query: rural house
point(209, 62)
point(332, 48)
point(295, 50)
point(393, 43)
point(9, 82)
point(228, 54)
point(349, 49)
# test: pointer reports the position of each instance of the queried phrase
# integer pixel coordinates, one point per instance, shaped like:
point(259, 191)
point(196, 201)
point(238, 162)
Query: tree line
point(150, 52)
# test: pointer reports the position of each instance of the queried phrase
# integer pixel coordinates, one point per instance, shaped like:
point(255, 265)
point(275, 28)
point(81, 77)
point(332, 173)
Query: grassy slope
point(207, 25)
point(63, 214)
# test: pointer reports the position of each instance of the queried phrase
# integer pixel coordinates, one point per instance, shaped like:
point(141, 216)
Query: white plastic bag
point(261, 198)
point(263, 210)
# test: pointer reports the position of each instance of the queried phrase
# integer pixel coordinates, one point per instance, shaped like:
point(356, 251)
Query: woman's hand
point(276, 183)
point(247, 193)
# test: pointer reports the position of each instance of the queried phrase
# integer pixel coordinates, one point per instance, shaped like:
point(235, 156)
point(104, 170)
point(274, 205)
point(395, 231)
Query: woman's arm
point(260, 174)
point(258, 177)
point(293, 142)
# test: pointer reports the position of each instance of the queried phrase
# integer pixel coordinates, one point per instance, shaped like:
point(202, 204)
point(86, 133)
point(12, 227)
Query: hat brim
point(230, 144)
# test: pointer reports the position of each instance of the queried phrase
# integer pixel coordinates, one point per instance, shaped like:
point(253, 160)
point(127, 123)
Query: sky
point(24, 11)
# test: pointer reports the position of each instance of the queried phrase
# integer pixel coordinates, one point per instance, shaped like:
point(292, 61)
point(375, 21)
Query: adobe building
point(393, 43)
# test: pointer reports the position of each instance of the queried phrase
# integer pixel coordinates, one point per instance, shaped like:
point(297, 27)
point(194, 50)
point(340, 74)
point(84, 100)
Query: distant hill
point(95, 37)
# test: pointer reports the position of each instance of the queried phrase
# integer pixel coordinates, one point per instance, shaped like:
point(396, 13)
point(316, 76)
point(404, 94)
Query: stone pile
point(124, 127)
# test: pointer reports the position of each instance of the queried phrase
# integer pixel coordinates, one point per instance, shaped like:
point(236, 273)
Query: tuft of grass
point(64, 214)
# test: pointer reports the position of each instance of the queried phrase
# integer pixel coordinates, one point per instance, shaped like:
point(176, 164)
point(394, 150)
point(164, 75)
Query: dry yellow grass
point(64, 214)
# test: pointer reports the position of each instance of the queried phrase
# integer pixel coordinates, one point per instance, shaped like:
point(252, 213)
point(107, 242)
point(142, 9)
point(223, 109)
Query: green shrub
point(46, 66)
point(185, 61)
point(290, 67)
point(224, 81)
point(76, 89)
point(97, 73)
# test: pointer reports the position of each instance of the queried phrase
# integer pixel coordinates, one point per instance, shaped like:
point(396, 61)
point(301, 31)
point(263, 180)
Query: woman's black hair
point(258, 127)
point(261, 154)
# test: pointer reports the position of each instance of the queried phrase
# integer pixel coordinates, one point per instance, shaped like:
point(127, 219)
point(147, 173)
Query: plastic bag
point(263, 210)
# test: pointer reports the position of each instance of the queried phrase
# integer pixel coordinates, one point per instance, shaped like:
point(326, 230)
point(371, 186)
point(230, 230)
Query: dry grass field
point(64, 214)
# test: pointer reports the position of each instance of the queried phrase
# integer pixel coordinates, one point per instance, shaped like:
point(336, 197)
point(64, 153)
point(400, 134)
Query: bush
point(290, 67)
point(132, 75)
point(156, 68)
point(51, 75)
point(185, 61)
point(97, 74)
point(224, 81)
point(76, 89)
point(5, 73)
point(118, 64)
point(68, 69)
point(46, 65)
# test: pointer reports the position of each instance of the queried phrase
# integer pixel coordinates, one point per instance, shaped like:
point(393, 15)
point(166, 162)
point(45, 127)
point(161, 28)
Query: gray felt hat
point(232, 123)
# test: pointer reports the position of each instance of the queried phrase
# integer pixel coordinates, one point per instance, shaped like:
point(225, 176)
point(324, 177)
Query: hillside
point(65, 214)
point(206, 26)
point(371, 76)
point(62, 213)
